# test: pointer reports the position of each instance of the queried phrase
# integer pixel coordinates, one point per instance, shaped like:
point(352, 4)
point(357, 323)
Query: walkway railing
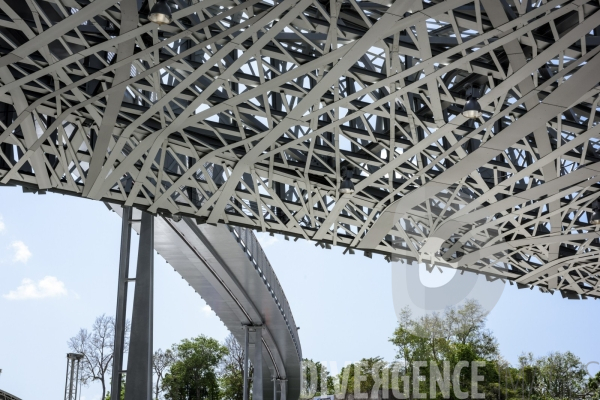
point(257, 256)
point(7, 396)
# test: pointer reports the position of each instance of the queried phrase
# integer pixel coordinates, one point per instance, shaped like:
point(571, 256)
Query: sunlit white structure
point(246, 112)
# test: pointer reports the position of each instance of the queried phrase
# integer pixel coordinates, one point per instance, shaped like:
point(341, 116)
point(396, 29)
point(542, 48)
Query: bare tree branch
point(97, 348)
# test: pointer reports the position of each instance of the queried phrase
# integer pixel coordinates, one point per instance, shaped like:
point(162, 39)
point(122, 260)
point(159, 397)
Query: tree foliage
point(193, 374)
point(122, 394)
point(556, 376)
point(203, 369)
point(442, 340)
point(161, 363)
point(232, 370)
point(458, 337)
point(316, 380)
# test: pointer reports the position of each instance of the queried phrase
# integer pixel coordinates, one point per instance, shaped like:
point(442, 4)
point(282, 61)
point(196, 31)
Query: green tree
point(442, 340)
point(316, 380)
point(555, 376)
point(561, 376)
point(161, 363)
point(361, 377)
point(593, 392)
point(232, 371)
point(193, 374)
point(122, 396)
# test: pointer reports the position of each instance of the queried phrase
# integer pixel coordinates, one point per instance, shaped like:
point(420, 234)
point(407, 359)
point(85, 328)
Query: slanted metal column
point(139, 365)
point(257, 379)
point(121, 314)
point(246, 350)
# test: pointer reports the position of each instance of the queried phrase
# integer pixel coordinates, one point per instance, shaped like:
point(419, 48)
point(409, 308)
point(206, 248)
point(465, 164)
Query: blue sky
point(58, 271)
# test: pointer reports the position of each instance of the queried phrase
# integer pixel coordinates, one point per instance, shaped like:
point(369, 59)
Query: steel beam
point(283, 386)
point(259, 139)
point(246, 360)
point(138, 385)
point(121, 313)
point(257, 362)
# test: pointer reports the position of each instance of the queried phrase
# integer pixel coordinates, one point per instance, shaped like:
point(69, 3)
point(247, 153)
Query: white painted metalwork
point(246, 112)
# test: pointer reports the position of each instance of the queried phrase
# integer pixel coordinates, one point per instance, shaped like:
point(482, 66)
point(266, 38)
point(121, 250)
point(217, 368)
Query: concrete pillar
point(139, 366)
point(257, 387)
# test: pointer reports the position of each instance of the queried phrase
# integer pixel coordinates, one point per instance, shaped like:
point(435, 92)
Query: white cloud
point(207, 310)
point(22, 253)
point(2, 226)
point(47, 287)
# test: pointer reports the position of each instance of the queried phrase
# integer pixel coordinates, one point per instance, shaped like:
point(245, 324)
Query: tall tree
point(561, 375)
point(360, 377)
point(555, 376)
point(593, 388)
point(457, 334)
point(193, 374)
point(316, 380)
point(97, 347)
point(232, 370)
point(161, 362)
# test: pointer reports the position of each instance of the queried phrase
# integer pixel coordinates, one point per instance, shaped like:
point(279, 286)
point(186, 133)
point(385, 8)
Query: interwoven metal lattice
point(245, 112)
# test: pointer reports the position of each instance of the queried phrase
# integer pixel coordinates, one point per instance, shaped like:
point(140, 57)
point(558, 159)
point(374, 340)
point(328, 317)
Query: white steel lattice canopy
point(246, 112)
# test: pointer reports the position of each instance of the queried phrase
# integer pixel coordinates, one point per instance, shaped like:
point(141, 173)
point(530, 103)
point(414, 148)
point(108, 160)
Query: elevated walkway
point(227, 267)
point(7, 396)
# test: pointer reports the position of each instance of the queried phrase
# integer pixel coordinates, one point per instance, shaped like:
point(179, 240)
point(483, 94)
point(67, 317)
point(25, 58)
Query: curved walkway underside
point(245, 113)
point(228, 268)
point(7, 396)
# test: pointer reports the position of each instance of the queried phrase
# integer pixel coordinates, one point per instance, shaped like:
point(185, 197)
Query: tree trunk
point(104, 390)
